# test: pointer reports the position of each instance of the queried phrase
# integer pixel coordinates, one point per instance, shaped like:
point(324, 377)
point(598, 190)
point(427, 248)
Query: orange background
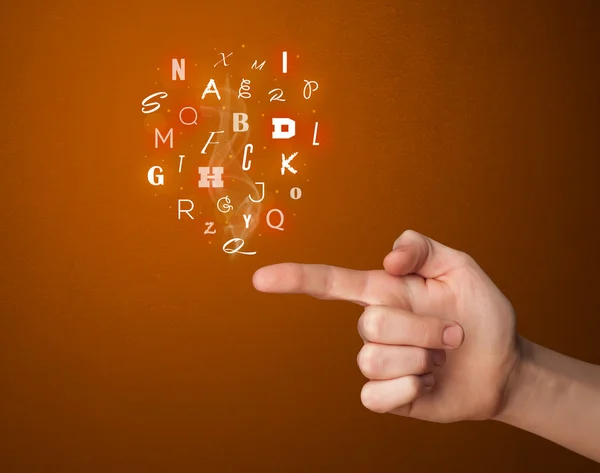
point(129, 344)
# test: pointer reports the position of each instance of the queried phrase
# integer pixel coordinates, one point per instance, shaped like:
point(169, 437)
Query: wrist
point(554, 396)
point(521, 384)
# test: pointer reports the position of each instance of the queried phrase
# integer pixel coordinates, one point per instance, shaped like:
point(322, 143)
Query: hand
point(440, 339)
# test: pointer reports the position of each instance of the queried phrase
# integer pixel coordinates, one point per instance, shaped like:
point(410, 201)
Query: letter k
point(285, 164)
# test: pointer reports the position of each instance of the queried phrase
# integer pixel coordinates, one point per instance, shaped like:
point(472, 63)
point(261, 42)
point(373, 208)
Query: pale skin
point(440, 344)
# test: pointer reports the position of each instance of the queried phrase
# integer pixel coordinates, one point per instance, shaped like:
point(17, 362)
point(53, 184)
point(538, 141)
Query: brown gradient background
point(130, 345)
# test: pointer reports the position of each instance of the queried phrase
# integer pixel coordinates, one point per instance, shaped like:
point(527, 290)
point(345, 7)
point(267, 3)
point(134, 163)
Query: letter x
point(223, 60)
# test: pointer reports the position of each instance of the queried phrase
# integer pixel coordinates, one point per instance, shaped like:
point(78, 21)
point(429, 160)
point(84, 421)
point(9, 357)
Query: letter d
point(279, 133)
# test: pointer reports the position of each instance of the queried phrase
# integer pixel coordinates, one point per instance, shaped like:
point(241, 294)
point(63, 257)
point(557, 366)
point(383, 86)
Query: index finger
point(333, 283)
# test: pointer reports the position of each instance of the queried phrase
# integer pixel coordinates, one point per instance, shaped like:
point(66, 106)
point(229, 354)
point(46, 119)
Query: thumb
point(414, 253)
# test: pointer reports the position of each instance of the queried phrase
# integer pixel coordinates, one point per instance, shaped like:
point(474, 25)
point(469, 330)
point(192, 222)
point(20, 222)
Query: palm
point(472, 382)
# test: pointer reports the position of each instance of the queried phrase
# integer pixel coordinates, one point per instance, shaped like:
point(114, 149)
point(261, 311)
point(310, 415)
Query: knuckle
point(464, 259)
point(425, 332)
point(413, 387)
point(369, 360)
point(371, 322)
point(422, 360)
point(405, 237)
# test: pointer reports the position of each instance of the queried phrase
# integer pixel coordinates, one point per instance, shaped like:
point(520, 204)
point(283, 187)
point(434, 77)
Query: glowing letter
point(246, 164)
point(181, 156)
point(296, 193)
point(209, 230)
point(315, 142)
point(162, 95)
point(276, 227)
point(211, 88)
point(164, 140)
point(255, 66)
point(244, 92)
point(309, 86)
point(263, 193)
point(247, 219)
point(279, 133)
point(228, 250)
point(194, 121)
point(284, 60)
point(277, 94)
point(212, 133)
point(223, 59)
point(285, 163)
point(178, 69)
point(153, 178)
point(240, 122)
point(180, 210)
point(226, 207)
point(210, 177)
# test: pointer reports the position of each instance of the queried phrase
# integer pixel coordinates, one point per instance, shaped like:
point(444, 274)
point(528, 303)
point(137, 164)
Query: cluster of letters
point(211, 169)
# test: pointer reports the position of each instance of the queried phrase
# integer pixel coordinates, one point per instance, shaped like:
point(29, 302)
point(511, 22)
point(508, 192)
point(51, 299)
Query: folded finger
point(380, 362)
point(395, 326)
point(388, 395)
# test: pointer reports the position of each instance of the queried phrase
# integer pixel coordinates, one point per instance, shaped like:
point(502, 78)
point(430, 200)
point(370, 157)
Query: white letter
point(156, 180)
point(212, 133)
point(308, 85)
point(247, 219)
point(224, 208)
point(236, 250)
point(194, 121)
point(162, 95)
point(179, 209)
point(296, 193)
point(285, 62)
point(263, 193)
point(209, 230)
point(246, 164)
point(181, 156)
point(277, 94)
point(164, 140)
point(285, 163)
point(276, 227)
point(223, 59)
point(211, 88)
point(315, 143)
point(178, 69)
point(255, 66)
point(240, 122)
point(279, 133)
point(210, 177)
point(244, 92)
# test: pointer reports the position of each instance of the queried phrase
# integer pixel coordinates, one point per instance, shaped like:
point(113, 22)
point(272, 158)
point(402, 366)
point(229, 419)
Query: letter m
point(157, 134)
point(256, 66)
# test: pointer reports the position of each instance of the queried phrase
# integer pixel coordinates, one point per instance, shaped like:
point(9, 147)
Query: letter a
point(211, 88)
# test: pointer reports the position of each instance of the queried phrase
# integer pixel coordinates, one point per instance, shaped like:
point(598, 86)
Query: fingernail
point(438, 357)
point(428, 380)
point(453, 336)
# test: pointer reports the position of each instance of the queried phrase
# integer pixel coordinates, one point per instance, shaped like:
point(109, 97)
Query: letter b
point(240, 122)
